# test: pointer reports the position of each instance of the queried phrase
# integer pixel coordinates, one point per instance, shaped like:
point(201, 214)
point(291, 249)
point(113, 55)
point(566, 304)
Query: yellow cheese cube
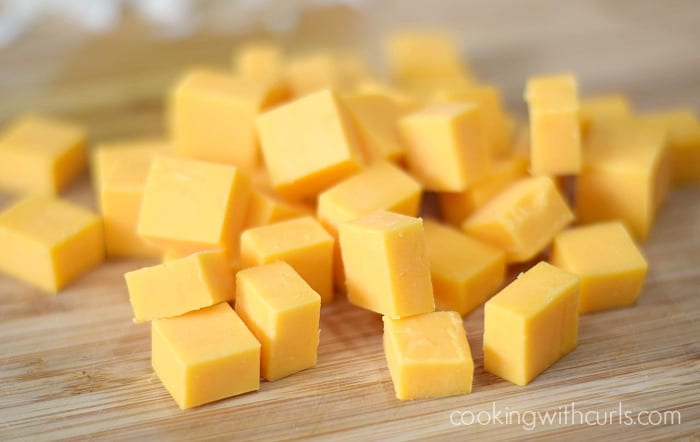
point(301, 242)
point(531, 323)
point(212, 117)
point(611, 267)
point(626, 175)
point(180, 285)
point(444, 146)
point(320, 70)
point(603, 108)
point(205, 355)
point(41, 155)
point(120, 171)
point(405, 102)
point(48, 242)
point(264, 209)
point(555, 146)
point(428, 355)
point(465, 272)
point(386, 265)
point(309, 145)
point(456, 206)
point(262, 62)
point(521, 220)
point(283, 312)
point(193, 205)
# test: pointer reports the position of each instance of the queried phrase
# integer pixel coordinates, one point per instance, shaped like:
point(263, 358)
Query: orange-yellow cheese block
point(41, 155)
point(212, 117)
point(301, 242)
point(309, 144)
point(522, 219)
point(49, 243)
point(465, 272)
point(264, 209)
point(428, 355)
point(626, 175)
point(386, 264)
point(456, 206)
point(315, 71)
point(283, 312)
point(611, 266)
point(262, 62)
point(445, 148)
point(405, 101)
point(120, 171)
point(603, 108)
point(180, 285)
point(555, 133)
point(531, 323)
point(205, 355)
point(193, 205)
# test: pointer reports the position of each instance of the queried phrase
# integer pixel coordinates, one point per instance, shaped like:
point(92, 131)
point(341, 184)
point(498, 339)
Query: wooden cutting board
point(75, 366)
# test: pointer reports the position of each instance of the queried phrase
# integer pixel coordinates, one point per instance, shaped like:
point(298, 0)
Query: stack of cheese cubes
point(291, 180)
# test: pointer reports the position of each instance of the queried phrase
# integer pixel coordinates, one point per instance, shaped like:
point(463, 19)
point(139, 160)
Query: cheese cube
point(428, 355)
point(404, 101)
point(193, 205)
point(521, 220)
point(120, 171)
point(180, 285)
point(262, 62)
point(554, 125)
point(205, 355)
point(41, 155)
point(603, 108)
point(465, 272)
point(611, 267)
point(212, 117)
point(283, 312)
point(626, 175)
point(48, 242)
point(320, 70)
point(531, 323)
point(386, 265)
point(309, 145)
point(445, 149)
point(264, 209)
point(301, 242)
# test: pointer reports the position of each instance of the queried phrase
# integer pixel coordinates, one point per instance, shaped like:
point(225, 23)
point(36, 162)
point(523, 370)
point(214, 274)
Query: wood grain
point(75, 366)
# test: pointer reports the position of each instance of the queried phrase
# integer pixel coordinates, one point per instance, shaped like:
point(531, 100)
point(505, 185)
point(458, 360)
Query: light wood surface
point(74, 366)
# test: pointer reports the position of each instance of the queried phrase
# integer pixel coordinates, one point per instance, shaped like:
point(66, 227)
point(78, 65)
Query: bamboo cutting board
point(75, 366)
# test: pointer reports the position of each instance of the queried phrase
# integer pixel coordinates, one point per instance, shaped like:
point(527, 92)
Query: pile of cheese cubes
point(291, 179)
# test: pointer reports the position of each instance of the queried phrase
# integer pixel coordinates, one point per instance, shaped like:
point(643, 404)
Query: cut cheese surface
point(264, 209)
point(603, 108)
point(262, 62)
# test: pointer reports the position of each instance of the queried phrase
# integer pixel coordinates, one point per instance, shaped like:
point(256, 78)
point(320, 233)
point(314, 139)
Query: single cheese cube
point(521, 220)
point(193, 205)
point(465, 272)
point(264, 209)
point(626, 175)
point(531, 323)
point(41, 155)
point(120, 171)
point(309, 145)
point(205, 355)
point(444, 146)
point(405, 102)
point(212, 117)
point(456, 206)
point(554, 125)
point(428, 355)
point(262, 62)
point(181, 285)
point(283, 312)
point(611, 267)
point(48, 242)
point(301, 242)
point(386, 265)
point(603, 108)
point(320, 70)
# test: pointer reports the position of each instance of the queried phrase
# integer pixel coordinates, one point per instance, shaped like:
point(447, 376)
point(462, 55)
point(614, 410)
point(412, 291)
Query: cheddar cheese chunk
point(205, 355)
point(264, 209)
point(464, 271)
point(262, 62)
point(386, 265)
point(555, 132)
point(283, 312)
point(531, 323)
point(48, 242)
point(404, 101)
point(301, 242)
point(41, 155)
point(445, 149)
point(316, 71)
point(611, 267)
point(428, 355)
point(603, 108)
point(521, 220)
point(309, 145)
point(180, 285)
